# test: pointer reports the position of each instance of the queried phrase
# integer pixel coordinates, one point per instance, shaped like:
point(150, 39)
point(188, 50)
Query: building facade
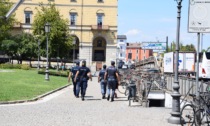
point(134, 52)
point(92, 22)
point(121, 46)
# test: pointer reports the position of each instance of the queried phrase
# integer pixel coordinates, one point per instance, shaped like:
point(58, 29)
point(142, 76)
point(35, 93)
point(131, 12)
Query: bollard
point(132, 90)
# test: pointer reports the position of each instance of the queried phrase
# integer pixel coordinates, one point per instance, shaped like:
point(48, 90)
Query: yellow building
point(92, 22)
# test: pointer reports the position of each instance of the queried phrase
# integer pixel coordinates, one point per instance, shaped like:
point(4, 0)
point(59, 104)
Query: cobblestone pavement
point(63, 109)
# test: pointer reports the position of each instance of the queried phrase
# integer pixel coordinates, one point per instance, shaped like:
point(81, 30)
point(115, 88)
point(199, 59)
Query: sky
point(153, 20)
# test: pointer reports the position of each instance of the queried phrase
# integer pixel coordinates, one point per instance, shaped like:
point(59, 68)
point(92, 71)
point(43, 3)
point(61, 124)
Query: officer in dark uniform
point(113, 78)
point(83, 74)
point(72, 74)
point(102, 82)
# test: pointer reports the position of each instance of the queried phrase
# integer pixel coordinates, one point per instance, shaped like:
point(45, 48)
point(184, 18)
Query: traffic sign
point(199, 16)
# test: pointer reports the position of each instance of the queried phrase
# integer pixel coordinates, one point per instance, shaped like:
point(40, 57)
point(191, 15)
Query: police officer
point(113, 78)
point(102, 82)
point(72, 74)
point(82, 75)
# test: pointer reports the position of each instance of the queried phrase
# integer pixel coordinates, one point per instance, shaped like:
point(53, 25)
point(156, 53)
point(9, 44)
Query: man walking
point(72, 74)
point(113, 77)
point(102, 82)
point(82, 75)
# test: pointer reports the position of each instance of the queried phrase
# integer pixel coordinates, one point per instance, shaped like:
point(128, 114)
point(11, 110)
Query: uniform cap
point(104, 66)
point(77, 63)
point(112, 62)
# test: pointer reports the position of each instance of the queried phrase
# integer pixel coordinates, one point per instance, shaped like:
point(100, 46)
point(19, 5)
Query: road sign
point(154, 45)
point(199, 16)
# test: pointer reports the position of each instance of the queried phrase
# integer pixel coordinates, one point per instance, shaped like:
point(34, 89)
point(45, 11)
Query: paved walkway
point(63, 109)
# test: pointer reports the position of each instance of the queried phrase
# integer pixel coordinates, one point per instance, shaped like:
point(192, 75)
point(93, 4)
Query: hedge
point(55, 73)
point(15, 66)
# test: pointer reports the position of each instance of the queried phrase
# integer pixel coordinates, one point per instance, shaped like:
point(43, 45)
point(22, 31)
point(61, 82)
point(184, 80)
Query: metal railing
point(186, 84)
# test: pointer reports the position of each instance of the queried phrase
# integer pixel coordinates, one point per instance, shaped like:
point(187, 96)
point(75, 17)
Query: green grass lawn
point(26, 84)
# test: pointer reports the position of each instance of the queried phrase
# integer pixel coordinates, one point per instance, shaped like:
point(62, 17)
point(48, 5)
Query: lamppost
point(47, 30)
point(38, 54)
point(118, 56)
point(57, 68)
point(175, 114)
point(74, 42)
point(201, 42)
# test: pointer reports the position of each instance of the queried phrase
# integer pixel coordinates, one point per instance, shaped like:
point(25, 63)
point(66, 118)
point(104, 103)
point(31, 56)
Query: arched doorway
point(99, 49)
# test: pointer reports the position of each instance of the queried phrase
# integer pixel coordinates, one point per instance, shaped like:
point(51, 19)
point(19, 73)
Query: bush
point(17, 66)
point(6, 66)
point(14, 66)
point(54, 73)
point(25, 67)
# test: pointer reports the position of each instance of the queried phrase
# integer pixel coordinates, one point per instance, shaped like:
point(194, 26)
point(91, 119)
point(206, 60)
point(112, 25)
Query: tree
point(188, 48)
point(183, 48)
point(21, 46)
point(58, 36)
point(26, 46)
point(10, 47)
point(5, 25)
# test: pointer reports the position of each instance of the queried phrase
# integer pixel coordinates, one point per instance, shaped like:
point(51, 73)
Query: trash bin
point(132, 90)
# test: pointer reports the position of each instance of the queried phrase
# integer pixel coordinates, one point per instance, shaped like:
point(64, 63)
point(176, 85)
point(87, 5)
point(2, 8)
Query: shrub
point(17, 66)
point(54, 73)
point(14, 66)
point(25, 67)
point(6, 66)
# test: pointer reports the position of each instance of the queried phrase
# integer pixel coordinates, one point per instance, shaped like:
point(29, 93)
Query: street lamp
point(74, 42)
point(47, 30)
point(118, 56)
point(175, 114)
point(202, 41)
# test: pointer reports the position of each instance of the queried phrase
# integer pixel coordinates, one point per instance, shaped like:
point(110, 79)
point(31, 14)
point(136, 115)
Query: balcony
point(100, 27)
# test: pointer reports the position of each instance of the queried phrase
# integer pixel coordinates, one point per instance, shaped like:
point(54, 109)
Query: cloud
point(132, 32)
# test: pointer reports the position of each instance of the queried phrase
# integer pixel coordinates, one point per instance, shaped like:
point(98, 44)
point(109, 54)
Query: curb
point(36, 98)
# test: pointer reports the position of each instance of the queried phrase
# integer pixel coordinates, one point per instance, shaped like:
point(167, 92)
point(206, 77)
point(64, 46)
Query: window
point(73, 1)
point(100, 20)
point(28, 17)
point(73, 18)
point(121, 47)
point(129, 55)
point(137, 51)
point(121, 40)
point(137, 57)
point(120, 54)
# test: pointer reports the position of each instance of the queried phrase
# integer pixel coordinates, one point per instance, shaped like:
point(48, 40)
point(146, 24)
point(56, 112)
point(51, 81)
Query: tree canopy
point(58, 35)
point(5, 25)
point(183, 48)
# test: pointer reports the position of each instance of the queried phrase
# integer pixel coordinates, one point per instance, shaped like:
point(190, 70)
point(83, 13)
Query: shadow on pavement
point(119, 100)
point(88, 96)
point(92, 99)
